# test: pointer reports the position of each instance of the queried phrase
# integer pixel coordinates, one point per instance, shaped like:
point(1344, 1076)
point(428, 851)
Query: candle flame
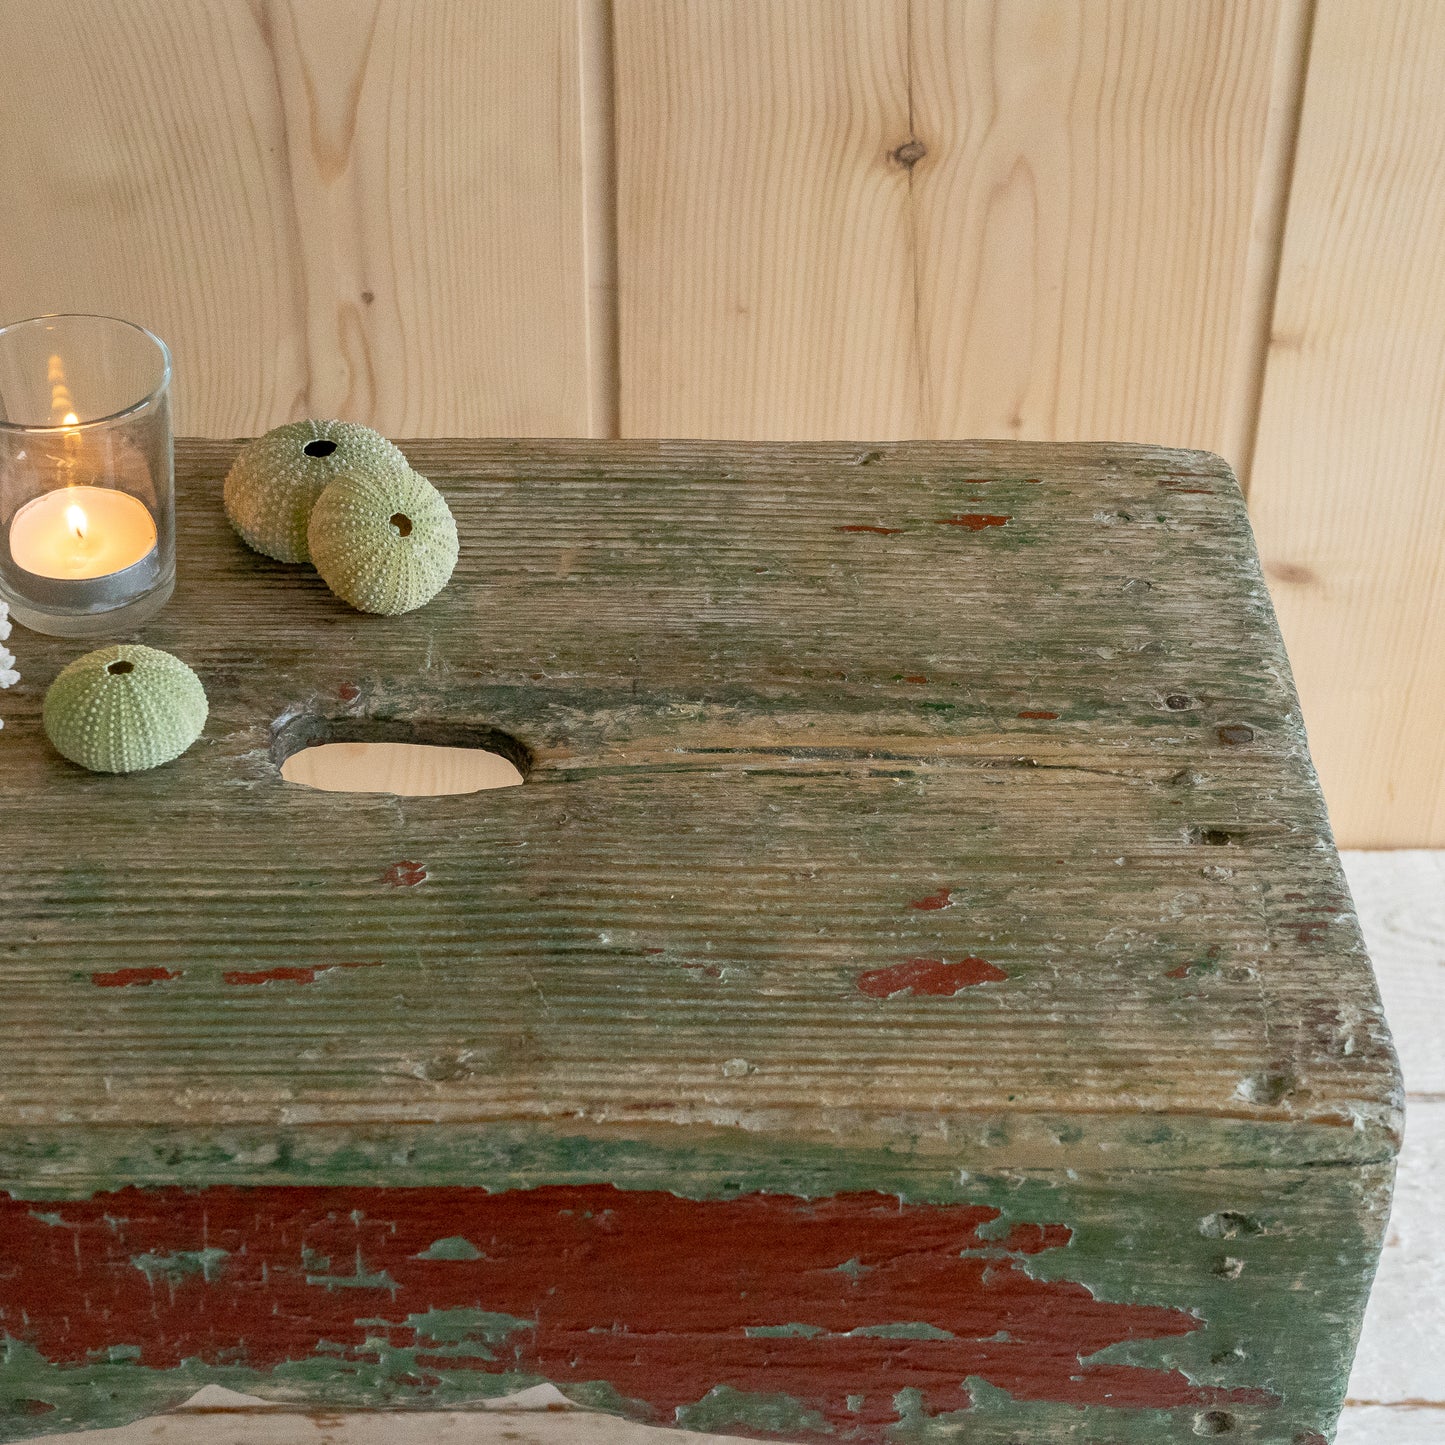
point(75, 520)
point(70, 419)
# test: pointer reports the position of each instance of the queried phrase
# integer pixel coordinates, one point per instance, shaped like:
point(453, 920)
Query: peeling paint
point(284, 973)
point(974, 521)
point(129, 977)
point(929, 976)
point(942, 898)
point(453, 1247)
point(176, 1266)
point(700, 1310)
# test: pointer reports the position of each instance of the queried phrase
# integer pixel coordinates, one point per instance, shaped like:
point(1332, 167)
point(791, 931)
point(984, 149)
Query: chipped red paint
point(1181, 972)
point(931, 976)
point(286, 973)
point(974, 521)
point(127, 977)
point(917, 678)
point(880, 531)
point(1038, 713)
point(663, 1298)
point(405, 874)
point(348, 692)
point(942, 899)
point(1036, 1238)
point(272, 976)
point(33, 1407)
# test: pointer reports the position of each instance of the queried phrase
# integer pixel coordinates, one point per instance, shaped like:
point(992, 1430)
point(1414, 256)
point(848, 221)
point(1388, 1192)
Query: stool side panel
point(1137, 1309)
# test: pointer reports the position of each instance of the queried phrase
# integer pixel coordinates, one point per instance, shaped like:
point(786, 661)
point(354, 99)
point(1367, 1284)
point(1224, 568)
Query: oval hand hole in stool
point(408, 759)
point(412, 770)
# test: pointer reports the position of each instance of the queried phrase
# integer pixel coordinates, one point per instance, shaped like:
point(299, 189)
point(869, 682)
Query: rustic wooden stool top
point(915, 981)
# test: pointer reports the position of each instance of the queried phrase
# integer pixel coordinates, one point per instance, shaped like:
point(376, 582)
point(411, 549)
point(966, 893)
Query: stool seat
point(914, 988)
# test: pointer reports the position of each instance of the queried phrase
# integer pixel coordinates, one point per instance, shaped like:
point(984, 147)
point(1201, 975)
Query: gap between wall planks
point(1347, 499)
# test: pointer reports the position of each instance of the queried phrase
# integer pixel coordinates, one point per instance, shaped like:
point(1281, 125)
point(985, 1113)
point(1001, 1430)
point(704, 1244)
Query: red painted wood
point(654, 1294)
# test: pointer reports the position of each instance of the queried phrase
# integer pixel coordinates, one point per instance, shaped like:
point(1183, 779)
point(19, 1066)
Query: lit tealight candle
point(87, 494)
point(84, 541)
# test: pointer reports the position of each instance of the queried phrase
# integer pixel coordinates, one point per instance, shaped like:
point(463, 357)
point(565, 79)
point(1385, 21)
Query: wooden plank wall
point(1348, 493)
point(1210, 224)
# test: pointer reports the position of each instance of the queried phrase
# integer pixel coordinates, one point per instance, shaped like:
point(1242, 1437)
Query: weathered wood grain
point(942, 219)
point(764, 744)
point(369, 210)
point(1346, 493)
point(923, 831)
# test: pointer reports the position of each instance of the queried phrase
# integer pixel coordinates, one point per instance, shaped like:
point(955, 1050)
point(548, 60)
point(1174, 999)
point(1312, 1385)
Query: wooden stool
point(912, 997)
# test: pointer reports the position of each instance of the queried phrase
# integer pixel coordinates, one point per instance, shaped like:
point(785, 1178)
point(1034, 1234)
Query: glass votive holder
point(87, 481)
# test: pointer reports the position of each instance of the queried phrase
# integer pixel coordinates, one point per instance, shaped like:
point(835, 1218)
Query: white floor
point(1397, 1391)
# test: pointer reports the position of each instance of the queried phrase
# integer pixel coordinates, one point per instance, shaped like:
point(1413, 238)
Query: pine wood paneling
point(369, 210)
point(1348, 497)
point(998, 218)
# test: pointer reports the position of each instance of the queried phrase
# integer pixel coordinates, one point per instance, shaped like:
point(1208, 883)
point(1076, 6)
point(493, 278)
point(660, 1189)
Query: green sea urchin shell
point(124, 708)
point(275, 480)
point(383, 543)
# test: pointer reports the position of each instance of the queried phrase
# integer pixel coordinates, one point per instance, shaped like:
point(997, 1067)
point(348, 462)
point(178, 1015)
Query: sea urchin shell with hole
point(275, 480)
point(383, 543)
point(125, 708)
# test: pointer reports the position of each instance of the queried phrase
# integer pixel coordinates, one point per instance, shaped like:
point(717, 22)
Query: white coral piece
point(8, 676)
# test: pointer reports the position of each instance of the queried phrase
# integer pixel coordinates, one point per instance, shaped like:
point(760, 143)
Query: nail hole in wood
point(120, 666)
point(321, 447)
point(1214, 1422)
point(401, 758)
point(402, 523)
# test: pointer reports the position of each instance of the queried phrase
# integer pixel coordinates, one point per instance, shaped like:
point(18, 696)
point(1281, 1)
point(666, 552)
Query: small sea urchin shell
point(275, 480)
point(125, 708)
point(383, 543)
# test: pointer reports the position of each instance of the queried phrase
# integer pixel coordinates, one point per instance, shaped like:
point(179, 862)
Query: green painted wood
point(808, 731)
